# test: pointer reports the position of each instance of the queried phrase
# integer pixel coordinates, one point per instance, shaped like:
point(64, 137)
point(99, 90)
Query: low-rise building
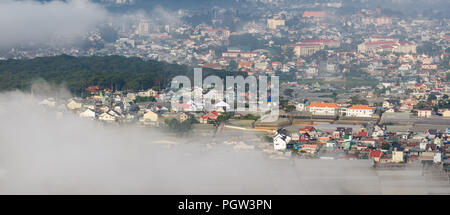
point(358, 111)
point(324, 109)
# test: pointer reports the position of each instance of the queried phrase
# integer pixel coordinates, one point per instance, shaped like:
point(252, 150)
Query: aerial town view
point(225, 97)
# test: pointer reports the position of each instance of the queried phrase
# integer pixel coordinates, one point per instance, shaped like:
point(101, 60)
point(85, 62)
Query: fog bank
point(41, 153)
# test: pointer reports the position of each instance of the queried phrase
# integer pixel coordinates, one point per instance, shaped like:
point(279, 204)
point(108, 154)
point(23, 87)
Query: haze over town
point(87, 107)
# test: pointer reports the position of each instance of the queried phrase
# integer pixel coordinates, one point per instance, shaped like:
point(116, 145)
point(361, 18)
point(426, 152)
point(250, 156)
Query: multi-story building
point(425, 113)
point(358, 111)
point(307, 49)
point(323, 109)
point(274, 23)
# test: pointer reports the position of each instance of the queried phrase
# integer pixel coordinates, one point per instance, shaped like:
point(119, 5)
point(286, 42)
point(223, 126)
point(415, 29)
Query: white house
point(221, 106)
point(300, 107)
point(397, 156)
point(281, 139)
point(359, 111)
point(424, 113)
point(387, 105)
point(378, 132)
point(437, 157)
point(49, 102)
point(72, 105)
point(324, 109)
point(88, 113)
point(150, 116)
point(107, 117)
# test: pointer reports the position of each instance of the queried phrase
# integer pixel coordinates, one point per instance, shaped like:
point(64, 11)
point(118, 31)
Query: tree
point(232, 66)
point(290, 108)
point(78, 73)
point(179, 127)
point(429, 48)
point(223, 117)
point(431, 98)
point(386, 146)
point(334, 96)
point(145, 99)
point(283, 103)
point(357, 100)
point(288, 92)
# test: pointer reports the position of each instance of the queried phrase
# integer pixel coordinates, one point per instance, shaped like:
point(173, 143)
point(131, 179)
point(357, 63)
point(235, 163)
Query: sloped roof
point(314, 14)
point(375, 153)
point(323, 105)
point(361, 107)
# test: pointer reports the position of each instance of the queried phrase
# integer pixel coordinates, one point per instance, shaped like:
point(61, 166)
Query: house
point(244, 64)
point(107, 117)
point(307, 49)
point(314, 14)
point(446, 113)
point(310, 148)
point(150, 116)
point(359, 111)
point(73, 105)
point(305, 136)
point(362, 134)
point(323, 109)
point(437, 157)
point(88, 113)
point(93, 89)
point(387, 105)
point(397, 156)
point(281, 139)
point(148, 93)
point(221, 106)
point(50, 102)
point(275, 22)
point(211, 116)
point(376, 155)
point(425, 113)
point(331, 144)
point(347, 145)
point(307, 129)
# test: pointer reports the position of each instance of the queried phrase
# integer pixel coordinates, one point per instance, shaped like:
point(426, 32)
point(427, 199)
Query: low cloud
point(64, 23)
point(34, 22)
point(44, 153)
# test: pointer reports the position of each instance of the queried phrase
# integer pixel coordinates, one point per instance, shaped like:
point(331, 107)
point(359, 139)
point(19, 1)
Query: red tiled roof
point(378, 43)
point(362, 134)
point(361, 107)
point(314, 14)
point(318, 41)
point(375, 153)
point(323, 105)
point(245, 64)
point(93, 88)
point(210, 115)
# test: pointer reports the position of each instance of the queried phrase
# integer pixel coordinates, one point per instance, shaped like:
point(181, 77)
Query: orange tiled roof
point(361, 107)
point(323, 105)
point(314, 14)
point(375, 153)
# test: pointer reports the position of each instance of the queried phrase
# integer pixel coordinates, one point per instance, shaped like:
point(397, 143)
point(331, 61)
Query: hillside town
point(360, 91)
point(389, 133)
point(355, 84)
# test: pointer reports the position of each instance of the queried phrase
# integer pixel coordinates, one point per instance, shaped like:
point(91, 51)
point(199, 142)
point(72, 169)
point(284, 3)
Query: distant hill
point(77, 73)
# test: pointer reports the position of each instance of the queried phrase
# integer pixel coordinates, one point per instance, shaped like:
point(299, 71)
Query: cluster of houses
point(333, 109)
point(431, 147)
point(121, 107)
